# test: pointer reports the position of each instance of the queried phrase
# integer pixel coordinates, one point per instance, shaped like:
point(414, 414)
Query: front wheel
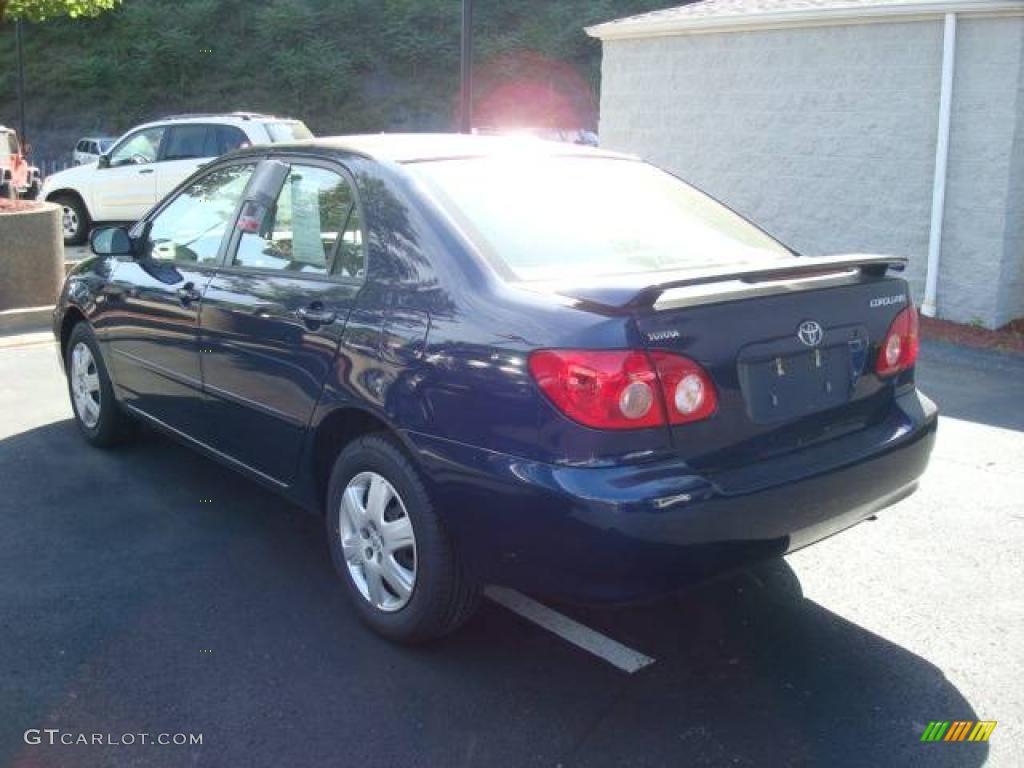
point(74, 219)
point(390, 548)
point(98, 416)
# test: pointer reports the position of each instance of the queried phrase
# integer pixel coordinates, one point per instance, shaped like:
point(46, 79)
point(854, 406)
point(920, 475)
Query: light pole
point(21, 81)
point(466, 92)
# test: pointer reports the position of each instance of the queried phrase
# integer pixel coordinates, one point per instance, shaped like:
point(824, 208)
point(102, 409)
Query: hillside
point(341, 65)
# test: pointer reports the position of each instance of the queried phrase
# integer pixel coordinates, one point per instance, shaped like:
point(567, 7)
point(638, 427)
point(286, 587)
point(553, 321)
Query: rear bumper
point(621, 533)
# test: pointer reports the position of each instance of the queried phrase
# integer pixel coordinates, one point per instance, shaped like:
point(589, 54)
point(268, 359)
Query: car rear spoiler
point(799, 267)
point(630, 291)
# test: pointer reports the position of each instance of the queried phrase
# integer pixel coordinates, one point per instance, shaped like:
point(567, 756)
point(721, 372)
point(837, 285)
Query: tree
point(39, 10)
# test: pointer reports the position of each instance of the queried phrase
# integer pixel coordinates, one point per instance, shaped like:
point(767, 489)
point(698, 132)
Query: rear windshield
point(293, 130)
point(554, 217)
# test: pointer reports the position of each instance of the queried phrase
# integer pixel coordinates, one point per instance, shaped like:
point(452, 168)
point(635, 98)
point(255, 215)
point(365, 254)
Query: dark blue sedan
point(493, 360)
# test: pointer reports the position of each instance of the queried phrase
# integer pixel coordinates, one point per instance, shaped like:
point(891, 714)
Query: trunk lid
point(791, 349)
point(791, 369)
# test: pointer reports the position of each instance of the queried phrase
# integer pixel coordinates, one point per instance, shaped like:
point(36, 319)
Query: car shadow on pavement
point(149, 590)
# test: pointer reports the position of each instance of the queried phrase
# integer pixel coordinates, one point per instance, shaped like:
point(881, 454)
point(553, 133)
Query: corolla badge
point(810, 333)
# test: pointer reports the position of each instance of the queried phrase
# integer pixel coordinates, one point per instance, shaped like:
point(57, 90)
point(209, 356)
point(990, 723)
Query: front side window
point(547, 217)
point(300, 232)
point(190, 229)
point(139, 148)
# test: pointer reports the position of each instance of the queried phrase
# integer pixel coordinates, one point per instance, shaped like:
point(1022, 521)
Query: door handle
point(187, 294)
point(315, 315)
point(145, 170)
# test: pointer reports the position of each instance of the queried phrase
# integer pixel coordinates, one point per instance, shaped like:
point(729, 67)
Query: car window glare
point(554, 217)
point(191, 227)
point(288, 131)
point(141, 147)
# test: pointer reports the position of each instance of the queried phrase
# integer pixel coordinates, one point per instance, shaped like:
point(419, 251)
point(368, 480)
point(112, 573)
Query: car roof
point(422, 147)
point(244, 117)
point(216, 118)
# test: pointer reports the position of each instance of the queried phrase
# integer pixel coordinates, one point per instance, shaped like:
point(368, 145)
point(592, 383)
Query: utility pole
point(21, 81)
point(466, 93)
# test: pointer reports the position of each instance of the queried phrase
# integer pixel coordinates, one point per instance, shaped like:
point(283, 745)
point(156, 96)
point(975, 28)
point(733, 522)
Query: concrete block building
point(892, 126)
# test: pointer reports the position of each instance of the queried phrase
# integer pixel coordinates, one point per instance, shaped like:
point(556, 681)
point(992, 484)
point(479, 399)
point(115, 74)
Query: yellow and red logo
point(958, 730)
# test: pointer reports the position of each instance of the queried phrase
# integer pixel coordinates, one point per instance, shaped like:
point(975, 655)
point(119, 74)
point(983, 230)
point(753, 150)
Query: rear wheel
point(98, 416)
point(74, 219)
point(390, 548)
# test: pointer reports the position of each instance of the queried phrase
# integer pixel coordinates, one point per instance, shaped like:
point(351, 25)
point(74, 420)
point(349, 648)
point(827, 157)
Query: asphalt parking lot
point(130, 605)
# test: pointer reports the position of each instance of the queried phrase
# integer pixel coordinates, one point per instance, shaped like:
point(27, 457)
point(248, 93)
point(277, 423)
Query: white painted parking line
point(602, 646)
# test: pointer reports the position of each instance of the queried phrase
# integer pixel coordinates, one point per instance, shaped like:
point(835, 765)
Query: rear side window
point(227, 138)
point(188, 141)
point(292, 130)
point(300, 233)
point(548, 217)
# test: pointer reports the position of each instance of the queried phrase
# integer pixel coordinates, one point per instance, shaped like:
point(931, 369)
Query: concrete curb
point(26, 319)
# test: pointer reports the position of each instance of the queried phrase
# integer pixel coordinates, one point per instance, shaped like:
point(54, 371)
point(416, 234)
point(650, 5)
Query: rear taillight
point(687, 388)
point(899, 347)
point(623, 389)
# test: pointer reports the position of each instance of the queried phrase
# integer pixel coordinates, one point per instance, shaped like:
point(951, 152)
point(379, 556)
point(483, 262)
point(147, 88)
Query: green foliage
point(341, 65)
point(39, 10)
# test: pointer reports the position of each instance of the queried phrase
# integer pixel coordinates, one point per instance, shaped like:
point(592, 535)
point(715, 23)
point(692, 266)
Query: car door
point(154, 300)
point(126, 188)
point(274, 314)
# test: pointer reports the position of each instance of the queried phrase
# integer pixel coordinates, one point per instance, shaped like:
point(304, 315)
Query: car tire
point(442, 595)
point(74, 219)
point(7, 191)
point(99, 418)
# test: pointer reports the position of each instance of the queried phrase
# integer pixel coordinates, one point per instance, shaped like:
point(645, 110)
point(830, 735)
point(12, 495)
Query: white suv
point(151, 160)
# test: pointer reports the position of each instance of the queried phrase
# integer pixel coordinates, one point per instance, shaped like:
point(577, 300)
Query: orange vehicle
point(17, 177)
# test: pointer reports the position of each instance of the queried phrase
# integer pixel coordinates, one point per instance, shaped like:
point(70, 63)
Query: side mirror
point(111, 241)
point(26, 150)
point(103, 162)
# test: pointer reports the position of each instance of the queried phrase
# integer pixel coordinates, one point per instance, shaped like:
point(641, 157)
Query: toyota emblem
point(810, 333)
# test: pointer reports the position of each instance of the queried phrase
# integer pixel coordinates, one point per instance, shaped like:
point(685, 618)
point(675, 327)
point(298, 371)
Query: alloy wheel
point(378, 540)
point(85, 385)
point(69, 220)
